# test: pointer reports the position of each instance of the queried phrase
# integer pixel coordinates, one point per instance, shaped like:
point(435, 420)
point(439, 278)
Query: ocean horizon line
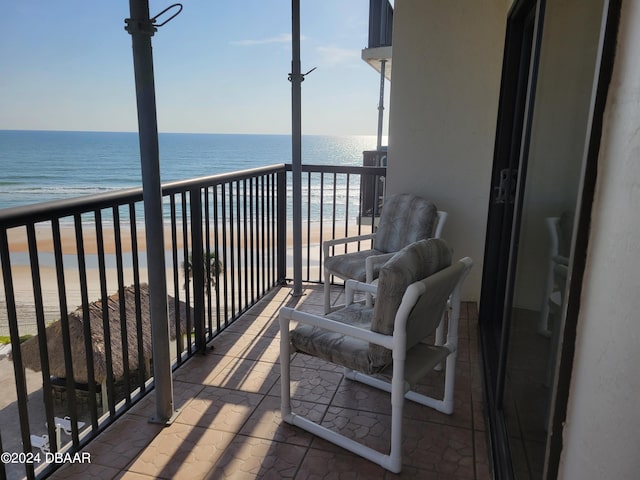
point(46, 130)
point(44, 165)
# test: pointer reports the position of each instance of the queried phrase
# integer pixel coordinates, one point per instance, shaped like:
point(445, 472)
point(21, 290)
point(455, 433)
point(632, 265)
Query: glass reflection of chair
point(389, 339)
point(559, 229)
point(404, 219)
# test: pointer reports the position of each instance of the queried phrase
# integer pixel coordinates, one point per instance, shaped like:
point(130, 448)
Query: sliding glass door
point(550, 67)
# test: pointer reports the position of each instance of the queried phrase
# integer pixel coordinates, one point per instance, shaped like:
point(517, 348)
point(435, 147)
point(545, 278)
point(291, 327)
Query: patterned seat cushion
point(351, 265)
point(335, 347)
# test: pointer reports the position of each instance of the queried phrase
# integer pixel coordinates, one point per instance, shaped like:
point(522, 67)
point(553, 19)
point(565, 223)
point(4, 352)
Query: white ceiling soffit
point(373, 56)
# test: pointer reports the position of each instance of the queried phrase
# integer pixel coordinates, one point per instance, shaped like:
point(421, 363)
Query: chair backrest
point(415, 262)
point(405, 219)
point(560, 230)
point(435, 290)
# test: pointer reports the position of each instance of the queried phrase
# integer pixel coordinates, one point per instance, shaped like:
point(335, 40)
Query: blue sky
point(220, 67)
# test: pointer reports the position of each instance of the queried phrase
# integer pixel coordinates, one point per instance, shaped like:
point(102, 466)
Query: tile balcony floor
point(228, 424)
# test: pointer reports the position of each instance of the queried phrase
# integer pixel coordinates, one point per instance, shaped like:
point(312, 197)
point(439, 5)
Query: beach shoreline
point(23, 283)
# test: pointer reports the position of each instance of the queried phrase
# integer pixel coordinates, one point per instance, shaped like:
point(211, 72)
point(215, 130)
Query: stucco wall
point(447, 60)
point(602, 431)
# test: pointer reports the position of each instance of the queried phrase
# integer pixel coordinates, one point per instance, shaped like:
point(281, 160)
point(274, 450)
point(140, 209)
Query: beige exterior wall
point(447, 61)
point(602, 432)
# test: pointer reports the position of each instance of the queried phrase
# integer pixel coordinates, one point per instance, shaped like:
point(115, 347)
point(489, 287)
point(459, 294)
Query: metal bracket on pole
point(299, 77)
point(149, 26)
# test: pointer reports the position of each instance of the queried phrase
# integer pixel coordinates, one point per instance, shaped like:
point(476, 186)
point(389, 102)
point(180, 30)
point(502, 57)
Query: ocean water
point(39, 166)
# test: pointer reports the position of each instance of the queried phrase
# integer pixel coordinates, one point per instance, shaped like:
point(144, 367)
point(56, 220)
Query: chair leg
point(285, 370)
point(391, 462)
point(397, 405)
point(327, 292)
point(449, 383)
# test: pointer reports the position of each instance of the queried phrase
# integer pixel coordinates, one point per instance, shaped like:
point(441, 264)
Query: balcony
point(225, 347)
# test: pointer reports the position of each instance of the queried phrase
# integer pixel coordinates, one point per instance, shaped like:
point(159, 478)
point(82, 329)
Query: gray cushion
point(335, 347)
point(351, 265)
point(404, 219)
point(414, 262)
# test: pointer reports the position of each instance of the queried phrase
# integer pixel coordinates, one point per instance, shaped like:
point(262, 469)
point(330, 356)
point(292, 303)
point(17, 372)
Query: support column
point(296, 78)
point(141, 28)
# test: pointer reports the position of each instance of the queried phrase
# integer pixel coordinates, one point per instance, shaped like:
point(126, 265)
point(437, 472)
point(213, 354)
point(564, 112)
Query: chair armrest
point(372, 261)
point(338, 241)
point(287, 314)
point(353, 286)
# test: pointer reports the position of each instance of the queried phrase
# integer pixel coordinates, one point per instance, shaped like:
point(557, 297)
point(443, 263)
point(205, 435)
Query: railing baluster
point(187, 268)
point(231, 253)
point(66, 339)
point(270, 226)
point(346, 207)
point(197, 270)
point(124, 341)
point(245, 242)
point(321, 239)
point(176, 278)
point(142, 360)
point(41, 327)
point(309, 221)
point(239, 238)
point(219, 262)
point(18, 369)
point(86, 328)
point(110, 381)
point(251, 241)
point(263, 195)
point(225, 254)
point(281, 222)
point(209, 273)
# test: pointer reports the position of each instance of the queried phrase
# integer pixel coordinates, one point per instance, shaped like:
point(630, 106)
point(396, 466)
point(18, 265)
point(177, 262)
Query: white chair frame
point(398, 387)
point(553, 224)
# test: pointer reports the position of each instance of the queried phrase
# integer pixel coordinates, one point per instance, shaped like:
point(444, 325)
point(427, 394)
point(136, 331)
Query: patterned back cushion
point(404, 219)
point(414, 262)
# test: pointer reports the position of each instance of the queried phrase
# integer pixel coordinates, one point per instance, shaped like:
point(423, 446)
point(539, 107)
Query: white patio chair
point(65, 424)
point(404, 219)
point(40, 442)
point(387, 339)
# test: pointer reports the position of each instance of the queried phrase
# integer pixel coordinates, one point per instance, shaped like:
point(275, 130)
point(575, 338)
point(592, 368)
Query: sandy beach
point(22, 278)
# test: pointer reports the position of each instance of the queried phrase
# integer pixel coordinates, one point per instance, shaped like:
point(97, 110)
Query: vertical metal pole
point(141, 29)
point(383, 64)
point(296, 158)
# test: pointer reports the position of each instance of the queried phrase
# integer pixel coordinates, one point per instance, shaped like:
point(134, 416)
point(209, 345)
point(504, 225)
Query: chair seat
point(334, 347)
point(421, 359)
point(351, 265)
